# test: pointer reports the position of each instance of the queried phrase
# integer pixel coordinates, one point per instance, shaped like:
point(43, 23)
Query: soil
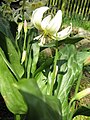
point(5, 114)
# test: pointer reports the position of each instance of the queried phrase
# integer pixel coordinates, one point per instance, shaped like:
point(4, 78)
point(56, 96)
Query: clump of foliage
point(34, 88)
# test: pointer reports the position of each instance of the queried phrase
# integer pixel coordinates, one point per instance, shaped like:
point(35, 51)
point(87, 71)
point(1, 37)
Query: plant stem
point(23, 10)
point(17, 117)
point(24, 45)
point(73, 105)
point(29, 58)
point(54, 73)
point(78, 83)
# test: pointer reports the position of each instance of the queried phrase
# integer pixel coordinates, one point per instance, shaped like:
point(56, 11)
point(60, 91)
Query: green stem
point(29, 56)
point(24, 45)
point(78, 83)
point(55, 63)
point(23, 10)
point(73, 104)
point(29, 65)
point(17, 117)
point(53, 2)
point(54, 73)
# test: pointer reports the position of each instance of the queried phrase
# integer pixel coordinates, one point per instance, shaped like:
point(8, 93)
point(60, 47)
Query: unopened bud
point(23, 56)
point(25, 26)
point(20, 25)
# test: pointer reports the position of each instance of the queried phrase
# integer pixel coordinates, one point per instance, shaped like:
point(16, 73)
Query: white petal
point(38, 37)
point(42, 41)
point(64, 33)
point(55, 23)
point(45, 22)
point(37, 16)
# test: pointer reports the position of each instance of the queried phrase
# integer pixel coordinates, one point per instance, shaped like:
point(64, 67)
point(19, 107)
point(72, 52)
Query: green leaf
point(12, 97)
point(42, 82)
point(29, 86)
point(82, 56)
point(11, 54)
point(68, 40)
point(5, 28)
point(82, 110)
point(72, 40)
point(81, 94)
point(8, 64)
point(9, 1)
point(35, 48)
point(44, 65)
point(41, 75)
point(55, 105)
point(68, 74)
point(39, 106)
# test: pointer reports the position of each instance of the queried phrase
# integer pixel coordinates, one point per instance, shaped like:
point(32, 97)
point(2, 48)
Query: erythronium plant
point(48, 26)
point(34, 90)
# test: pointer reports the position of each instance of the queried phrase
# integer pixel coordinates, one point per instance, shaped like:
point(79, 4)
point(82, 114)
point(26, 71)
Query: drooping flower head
point(49, 26)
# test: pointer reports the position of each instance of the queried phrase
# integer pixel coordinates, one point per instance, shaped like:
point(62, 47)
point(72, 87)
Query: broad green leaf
point(9, 1)
point(30, 41)
point(82, 56)
point(41, 75)
point(68, 40)
point(68, 74)
point(42, 81)
point(5, 28)
point(44, 65)
point(72, 40)
point(29, 86)
point(82, 110)
point(12, 97)
point(81, 94)
point(11, 54)
point(55, 104)
point(8, 64)
point(35, 48)
point(39, 106)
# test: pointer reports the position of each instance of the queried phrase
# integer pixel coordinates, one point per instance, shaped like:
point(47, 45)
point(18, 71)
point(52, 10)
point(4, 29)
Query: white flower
point(49, 26)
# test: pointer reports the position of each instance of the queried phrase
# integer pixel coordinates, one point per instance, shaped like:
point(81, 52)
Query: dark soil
point(5, 114)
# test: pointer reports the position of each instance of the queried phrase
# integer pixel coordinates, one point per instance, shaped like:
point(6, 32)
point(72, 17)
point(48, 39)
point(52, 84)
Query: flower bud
point(23, 56)
point(20, 25)
point(25, 26)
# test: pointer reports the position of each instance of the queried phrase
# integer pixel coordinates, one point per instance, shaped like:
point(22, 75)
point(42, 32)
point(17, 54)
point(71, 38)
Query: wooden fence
point(72, 7)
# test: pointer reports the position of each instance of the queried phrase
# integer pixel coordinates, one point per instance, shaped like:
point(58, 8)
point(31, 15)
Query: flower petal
point(37, 16)
point(64, 33)
point(45, 22)
point(55, 23)
point(42, 41)
point(38, 37)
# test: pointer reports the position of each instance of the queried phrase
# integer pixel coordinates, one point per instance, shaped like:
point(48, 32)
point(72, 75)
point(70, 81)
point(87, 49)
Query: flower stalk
point(24, 45)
